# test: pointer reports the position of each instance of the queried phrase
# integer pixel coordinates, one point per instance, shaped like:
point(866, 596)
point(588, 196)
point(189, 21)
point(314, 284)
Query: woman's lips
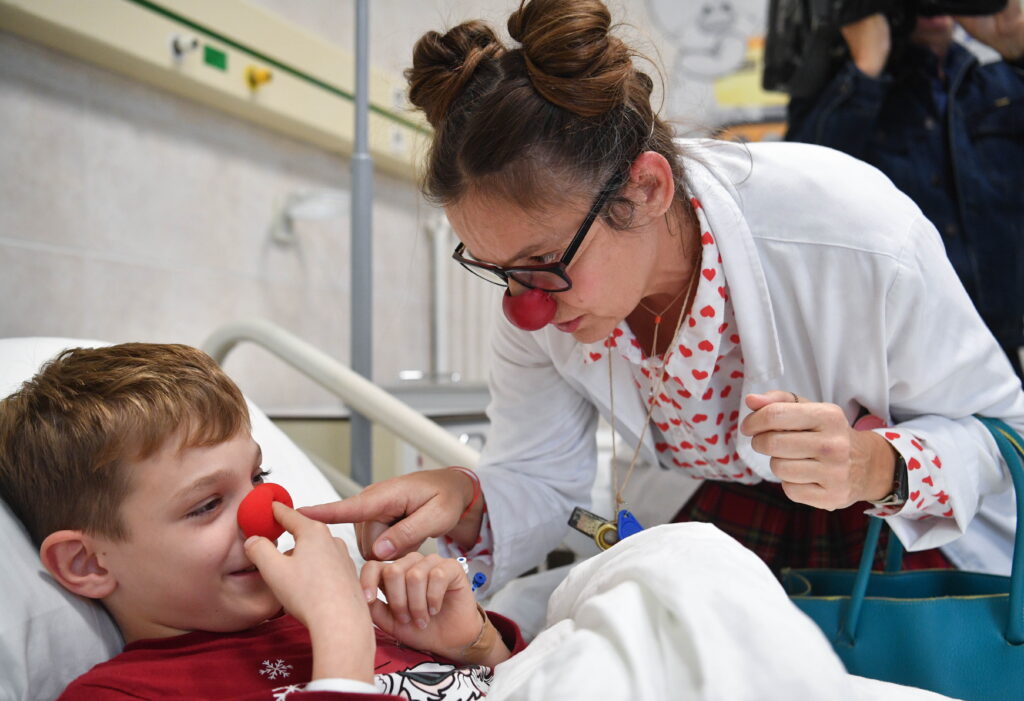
point(570, 326)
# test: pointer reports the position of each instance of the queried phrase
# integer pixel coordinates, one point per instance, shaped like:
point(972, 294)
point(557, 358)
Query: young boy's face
point(182, 567)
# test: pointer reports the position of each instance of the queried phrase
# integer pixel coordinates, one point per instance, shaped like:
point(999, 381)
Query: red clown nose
point(256, 513)
point(530, 310)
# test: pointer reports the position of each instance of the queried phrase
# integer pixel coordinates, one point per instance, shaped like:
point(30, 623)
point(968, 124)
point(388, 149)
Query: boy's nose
point(256, 513)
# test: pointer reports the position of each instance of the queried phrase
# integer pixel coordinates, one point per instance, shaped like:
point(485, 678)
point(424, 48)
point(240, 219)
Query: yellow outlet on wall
point(257, 77)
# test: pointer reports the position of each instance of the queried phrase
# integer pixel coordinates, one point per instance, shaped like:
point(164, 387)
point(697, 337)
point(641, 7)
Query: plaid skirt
point(786, 534)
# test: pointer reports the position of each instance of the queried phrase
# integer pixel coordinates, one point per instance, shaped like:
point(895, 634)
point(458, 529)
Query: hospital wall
point(128, 213)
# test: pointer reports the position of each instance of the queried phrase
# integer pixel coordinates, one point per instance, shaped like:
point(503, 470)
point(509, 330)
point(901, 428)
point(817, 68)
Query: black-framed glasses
point(549, 277)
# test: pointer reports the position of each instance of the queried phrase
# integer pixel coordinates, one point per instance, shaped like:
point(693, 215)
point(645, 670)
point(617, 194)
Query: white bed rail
point(357, 392)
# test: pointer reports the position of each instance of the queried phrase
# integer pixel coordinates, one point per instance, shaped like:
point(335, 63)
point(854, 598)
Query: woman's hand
point(1003, 31)
point(430, 606)
point(316, 582)
point(870, 41)
point(395, 516)
point(821, 460)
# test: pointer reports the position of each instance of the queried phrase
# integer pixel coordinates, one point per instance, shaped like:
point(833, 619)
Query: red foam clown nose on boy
point(530, 310)
point(256, 513)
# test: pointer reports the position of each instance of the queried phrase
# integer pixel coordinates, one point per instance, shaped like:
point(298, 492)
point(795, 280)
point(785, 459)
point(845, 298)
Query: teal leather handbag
point(952, 632)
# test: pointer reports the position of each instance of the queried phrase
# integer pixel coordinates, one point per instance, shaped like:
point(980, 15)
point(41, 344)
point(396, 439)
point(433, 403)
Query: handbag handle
point(1011, 447)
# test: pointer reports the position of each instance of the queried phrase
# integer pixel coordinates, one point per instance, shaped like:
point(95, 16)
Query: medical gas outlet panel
point(235, 57)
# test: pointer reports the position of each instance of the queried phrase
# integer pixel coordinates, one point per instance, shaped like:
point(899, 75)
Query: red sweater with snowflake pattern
point(272, 662)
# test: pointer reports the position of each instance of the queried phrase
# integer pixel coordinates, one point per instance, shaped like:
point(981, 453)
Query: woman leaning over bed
point(736, 312)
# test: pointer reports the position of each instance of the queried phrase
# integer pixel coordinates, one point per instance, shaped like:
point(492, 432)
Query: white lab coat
point(842, 293)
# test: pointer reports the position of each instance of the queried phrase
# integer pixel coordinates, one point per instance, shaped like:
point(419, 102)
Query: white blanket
point(680, 611)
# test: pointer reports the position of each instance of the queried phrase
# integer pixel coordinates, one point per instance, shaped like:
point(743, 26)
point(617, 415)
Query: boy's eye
point(212, 504)
point(206, 508)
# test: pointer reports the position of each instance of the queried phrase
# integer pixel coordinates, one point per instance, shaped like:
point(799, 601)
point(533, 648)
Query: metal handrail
point(357, 392)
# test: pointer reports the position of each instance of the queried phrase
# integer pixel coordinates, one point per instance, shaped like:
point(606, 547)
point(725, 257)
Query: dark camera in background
point(804, 47)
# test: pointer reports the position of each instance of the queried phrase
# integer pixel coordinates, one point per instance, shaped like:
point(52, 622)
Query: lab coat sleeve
point(541, 456)
point(944, 365)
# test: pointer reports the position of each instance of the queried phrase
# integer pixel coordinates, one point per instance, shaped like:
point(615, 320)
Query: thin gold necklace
point(658, 316)
point(691, 289)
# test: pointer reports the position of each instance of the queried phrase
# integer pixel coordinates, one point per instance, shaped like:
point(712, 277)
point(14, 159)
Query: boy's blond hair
point(68, 435)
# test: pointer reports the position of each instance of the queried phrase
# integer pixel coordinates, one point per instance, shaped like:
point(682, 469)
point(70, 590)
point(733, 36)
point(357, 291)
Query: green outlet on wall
point(215, 57)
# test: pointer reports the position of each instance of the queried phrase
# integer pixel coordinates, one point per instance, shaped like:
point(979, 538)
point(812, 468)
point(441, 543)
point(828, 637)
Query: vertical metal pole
point(439, 304)
point(361, 455)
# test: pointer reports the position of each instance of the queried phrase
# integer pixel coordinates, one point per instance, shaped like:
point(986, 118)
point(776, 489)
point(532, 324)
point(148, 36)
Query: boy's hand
point(430, 606)
point(317, 583)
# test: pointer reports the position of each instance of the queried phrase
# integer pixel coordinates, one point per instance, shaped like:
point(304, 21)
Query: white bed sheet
point(680, 611)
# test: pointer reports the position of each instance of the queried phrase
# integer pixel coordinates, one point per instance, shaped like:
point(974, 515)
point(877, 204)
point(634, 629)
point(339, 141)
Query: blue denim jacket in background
point(962, 162)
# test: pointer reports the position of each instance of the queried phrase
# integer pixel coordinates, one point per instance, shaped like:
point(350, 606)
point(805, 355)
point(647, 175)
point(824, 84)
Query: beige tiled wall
point(128, 214)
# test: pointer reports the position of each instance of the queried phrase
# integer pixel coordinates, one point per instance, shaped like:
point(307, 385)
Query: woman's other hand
point(819, 458)
point(395, 516)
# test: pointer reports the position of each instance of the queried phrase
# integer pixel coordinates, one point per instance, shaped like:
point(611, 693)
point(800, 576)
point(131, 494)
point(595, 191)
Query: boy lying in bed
point(127, 465)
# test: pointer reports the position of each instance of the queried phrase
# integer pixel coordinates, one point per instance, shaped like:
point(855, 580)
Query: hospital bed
point(48, 636)
point(618, 621)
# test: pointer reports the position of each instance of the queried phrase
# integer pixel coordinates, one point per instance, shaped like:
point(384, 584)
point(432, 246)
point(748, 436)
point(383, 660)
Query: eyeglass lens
point(539, 279)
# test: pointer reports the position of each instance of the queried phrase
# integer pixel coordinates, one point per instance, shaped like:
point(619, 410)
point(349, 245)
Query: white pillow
point(49, 636)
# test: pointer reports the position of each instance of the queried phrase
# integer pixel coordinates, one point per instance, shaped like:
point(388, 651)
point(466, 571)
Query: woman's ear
point(70, 556)
point(651, 185)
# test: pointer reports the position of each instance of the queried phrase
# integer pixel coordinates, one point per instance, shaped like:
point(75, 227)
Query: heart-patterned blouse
point(696, 392)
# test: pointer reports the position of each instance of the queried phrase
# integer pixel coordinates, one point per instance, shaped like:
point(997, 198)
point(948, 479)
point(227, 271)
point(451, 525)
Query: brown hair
point(67, 434)
point(568, 104)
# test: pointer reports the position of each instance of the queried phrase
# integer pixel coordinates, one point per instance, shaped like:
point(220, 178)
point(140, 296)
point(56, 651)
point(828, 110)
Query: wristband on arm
point(478, 651)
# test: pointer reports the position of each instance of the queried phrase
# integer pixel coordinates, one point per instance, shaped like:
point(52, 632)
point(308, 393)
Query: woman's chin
point(591, 334)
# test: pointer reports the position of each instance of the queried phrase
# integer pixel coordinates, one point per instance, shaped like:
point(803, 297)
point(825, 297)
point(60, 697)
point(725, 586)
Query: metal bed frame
point(358, 393)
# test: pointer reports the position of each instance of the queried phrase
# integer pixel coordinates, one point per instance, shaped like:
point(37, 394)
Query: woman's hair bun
point(443, 64)
point(572, 60)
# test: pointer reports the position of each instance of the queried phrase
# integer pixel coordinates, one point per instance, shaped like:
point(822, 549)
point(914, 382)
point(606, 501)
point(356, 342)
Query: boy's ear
point(70, 556)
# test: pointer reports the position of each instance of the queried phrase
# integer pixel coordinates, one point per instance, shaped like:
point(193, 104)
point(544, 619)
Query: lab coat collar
point(748, 288)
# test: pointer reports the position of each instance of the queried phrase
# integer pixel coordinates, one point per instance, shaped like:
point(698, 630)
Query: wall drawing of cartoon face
point(709, 37)
point(716, 17)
